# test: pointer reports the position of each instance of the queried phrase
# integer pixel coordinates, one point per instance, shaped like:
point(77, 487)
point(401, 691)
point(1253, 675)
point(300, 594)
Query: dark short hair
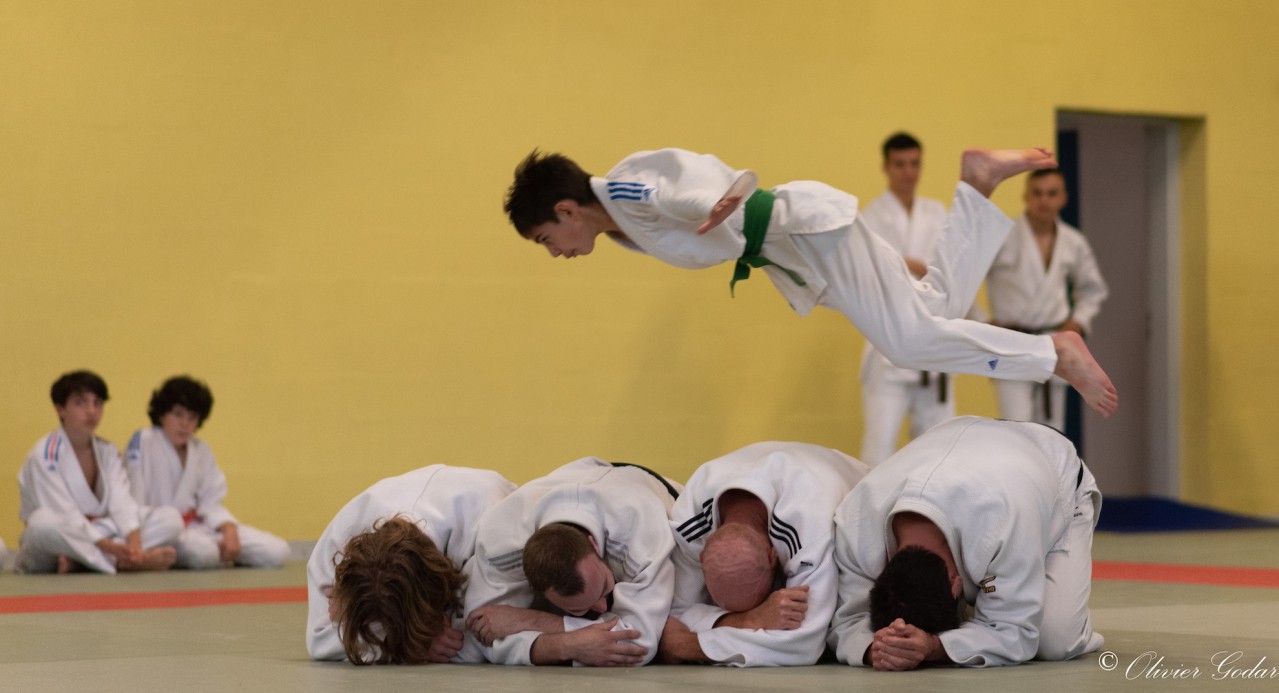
point(541, 181)
point(914, 587)
point(1044, 172)
point(551, 556)
point(77, 381)
point(394, 591)
point(899, 141)
point(181, 390)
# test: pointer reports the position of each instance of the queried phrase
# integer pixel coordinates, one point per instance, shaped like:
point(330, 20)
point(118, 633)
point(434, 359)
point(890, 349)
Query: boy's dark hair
point(914, 587)
point(183, 390)
point(551, 556)
point(541, 180)
point(1040, 173)
point(77, 381)
point(393, 593)
point(899, 141)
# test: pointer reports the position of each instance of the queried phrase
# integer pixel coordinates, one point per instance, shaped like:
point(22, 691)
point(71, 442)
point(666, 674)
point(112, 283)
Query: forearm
point(552, 648)
point(686, 647)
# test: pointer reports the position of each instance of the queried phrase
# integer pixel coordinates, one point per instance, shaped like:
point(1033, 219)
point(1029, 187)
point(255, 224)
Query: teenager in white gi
point(1044, 279)
point(995, 514)
point(620, 567)
point(442, 503)
point(168, 466)
point(911, 225)
point(682, 208)
point(755, 581)
point(76, 503)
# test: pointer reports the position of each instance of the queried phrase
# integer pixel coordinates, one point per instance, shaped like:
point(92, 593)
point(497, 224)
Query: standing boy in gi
point(1045, 279)
point(911, 225)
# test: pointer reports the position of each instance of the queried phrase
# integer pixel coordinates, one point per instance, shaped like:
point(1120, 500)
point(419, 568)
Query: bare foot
point(159, 558)
point(67, 565)
point(985, 169)
point(1076, 366)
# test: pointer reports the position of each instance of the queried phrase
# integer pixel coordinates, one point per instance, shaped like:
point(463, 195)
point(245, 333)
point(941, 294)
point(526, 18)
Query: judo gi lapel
point(85, 497)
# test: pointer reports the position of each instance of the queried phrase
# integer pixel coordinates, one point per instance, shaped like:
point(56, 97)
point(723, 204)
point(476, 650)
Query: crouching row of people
point(86, 509)
point(971, 546)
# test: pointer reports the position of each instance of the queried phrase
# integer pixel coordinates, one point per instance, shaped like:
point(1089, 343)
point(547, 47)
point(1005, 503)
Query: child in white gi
point(755, 581)
point(591, 541)
point(683, 209)
point(76, 503)
point(169, 467)
point(388, 569)
point(995, 514)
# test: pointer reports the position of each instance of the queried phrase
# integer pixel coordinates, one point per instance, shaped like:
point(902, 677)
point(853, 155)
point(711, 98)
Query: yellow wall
point(300, 203)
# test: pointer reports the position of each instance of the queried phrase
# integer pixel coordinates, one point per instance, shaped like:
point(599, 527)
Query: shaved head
point(738, 564)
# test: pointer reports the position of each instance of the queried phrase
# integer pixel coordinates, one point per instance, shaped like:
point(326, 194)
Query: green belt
point(759, 208)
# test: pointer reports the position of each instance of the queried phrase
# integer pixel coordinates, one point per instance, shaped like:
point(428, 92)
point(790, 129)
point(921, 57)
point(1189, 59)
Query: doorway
point(1123, 177)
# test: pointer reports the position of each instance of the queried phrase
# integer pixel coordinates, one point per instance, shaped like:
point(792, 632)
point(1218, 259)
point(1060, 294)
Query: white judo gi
point(196, 489)
point(1017, 508)
point(65, 517)
point(659, 198)
point(446, 503)
point(890, 393)
point(1025, 293)
point(625, 509)
point(801, 485)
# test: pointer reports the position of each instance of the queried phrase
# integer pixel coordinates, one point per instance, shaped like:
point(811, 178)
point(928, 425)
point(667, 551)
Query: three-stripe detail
point(623, 190)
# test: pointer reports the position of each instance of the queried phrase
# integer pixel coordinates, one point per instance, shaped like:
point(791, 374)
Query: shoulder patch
point(635, 192)
point(51, 449)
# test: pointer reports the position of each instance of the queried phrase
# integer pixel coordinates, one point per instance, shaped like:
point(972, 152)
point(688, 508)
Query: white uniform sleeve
point(690, 184)
point(1090, 289)
point(799, 647)
point(322, 641)
point(211, 492)
point(641, 604)
point(122, 507)
point(1004, 628)
point(692, 603)
point(850, 633)
point(486, 585)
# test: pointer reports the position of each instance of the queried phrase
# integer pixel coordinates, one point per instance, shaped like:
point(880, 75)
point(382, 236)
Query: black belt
point(669, 489)
point(1046, 388)
point(942, 381)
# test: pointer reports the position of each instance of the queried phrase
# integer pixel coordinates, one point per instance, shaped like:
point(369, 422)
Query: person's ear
point(594, 545)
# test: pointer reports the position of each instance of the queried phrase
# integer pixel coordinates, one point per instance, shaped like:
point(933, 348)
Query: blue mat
point(1163, 515)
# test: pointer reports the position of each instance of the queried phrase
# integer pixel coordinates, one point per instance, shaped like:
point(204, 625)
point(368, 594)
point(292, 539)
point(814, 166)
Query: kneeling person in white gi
point(575, 567)
point(755, 581)
point(75, 496)
point(995, 514)
point(170, 467)
point(385, 581)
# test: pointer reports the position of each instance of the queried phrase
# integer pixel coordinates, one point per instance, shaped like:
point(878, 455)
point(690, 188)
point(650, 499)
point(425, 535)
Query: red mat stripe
point(1186, 574)
point(114, 601)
